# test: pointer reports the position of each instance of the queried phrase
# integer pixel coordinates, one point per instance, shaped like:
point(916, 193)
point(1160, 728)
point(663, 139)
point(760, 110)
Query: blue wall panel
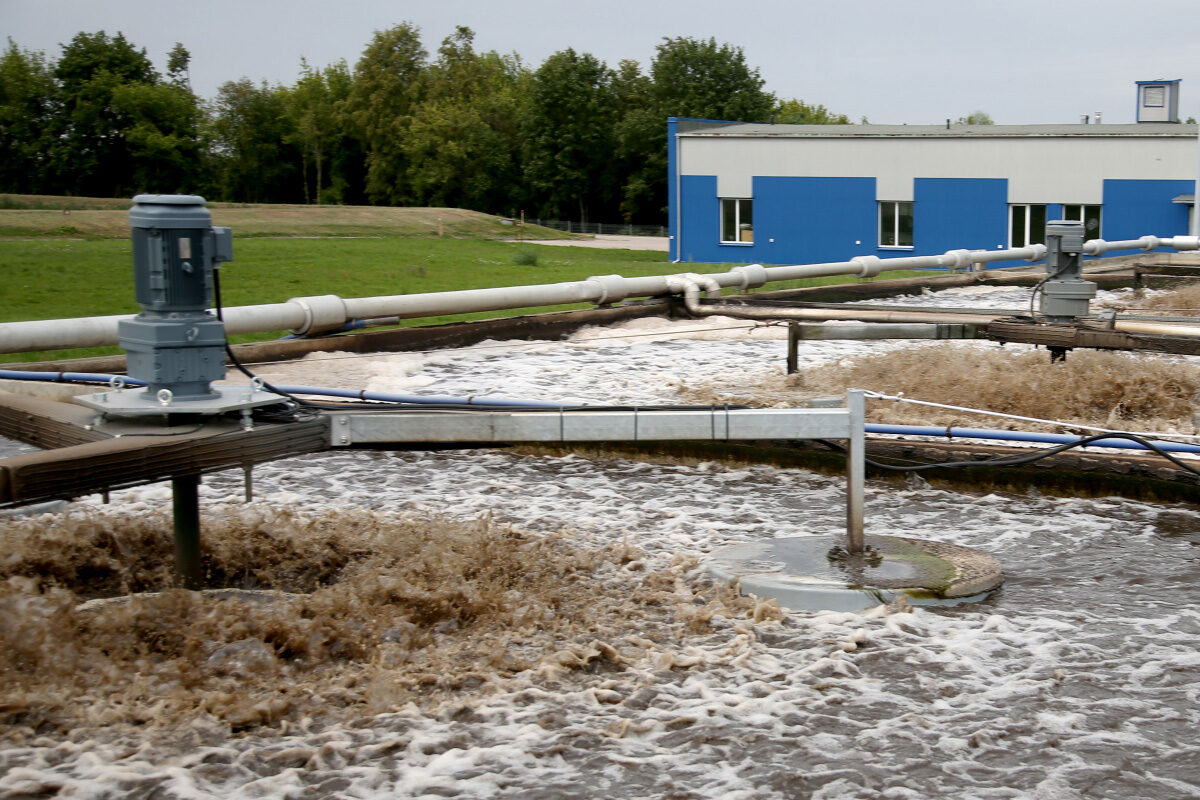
point(1138, 208)
point(809, 219)
point(699, 222)
point(813, 220)
point(959, 213)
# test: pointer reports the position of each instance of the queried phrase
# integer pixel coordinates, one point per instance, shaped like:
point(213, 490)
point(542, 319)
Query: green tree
point(464, 139)
point(28, 108)
point(697, 78)
point(975, 118)
point(162, 137)
point(797, 112)
point(569, 135)
point(92, 154)
point(639, 137)
point(688, 78)
point(178, 63)
point(253, 150)
point(320, 123)
point(386, 88)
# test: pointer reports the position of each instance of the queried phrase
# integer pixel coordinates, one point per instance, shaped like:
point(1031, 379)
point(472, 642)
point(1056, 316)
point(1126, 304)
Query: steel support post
point(855, 472)
point(793, 358)
point(185, 495)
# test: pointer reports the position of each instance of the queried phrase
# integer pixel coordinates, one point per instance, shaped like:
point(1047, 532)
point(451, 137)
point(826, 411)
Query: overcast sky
point(893, 61)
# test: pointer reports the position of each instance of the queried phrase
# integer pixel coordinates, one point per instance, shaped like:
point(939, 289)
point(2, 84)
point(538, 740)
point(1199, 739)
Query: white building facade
point(782, 194)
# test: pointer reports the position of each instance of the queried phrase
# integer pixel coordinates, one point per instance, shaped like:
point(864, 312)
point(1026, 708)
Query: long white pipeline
point(305, 315)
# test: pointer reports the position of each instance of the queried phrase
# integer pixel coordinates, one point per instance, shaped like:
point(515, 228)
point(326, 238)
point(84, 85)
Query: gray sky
point(893, 61)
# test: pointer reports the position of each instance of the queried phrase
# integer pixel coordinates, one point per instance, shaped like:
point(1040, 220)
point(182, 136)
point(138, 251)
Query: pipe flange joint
point(868, 265)
point(322, 313)
point(1094, 247)
point(751, 275)
point(612, 288)
point(1038, 252)
point(1149, 242)
point(958, 259)
point(709, 285)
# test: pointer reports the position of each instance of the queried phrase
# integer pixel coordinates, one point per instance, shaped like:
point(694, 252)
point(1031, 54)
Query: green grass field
point(54, 275)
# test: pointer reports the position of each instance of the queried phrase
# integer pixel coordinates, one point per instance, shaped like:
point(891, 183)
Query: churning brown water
point(1116, 390)
point(493, 624)
point(356, 612)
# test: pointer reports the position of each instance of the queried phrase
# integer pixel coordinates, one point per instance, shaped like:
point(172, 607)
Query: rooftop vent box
point(1158, 101)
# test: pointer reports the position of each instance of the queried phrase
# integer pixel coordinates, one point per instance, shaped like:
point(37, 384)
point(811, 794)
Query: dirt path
point(610, 242)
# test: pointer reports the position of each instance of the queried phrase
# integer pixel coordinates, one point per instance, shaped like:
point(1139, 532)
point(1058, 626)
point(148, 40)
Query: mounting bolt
point(345, 440)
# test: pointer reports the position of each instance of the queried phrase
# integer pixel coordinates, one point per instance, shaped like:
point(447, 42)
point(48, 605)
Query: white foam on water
point(1079, 678)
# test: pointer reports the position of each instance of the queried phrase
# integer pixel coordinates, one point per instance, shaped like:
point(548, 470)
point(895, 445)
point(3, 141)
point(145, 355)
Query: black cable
point(216, 273)
point(1015, 461)
point(1033, 296)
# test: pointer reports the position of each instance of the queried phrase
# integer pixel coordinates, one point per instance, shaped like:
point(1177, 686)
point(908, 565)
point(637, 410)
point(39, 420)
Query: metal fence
point(600, 227)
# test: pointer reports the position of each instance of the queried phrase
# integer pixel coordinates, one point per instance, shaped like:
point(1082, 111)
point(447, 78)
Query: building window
point(1026, 225)
point(895, 223)
point(737, 220)
point(1088, 215)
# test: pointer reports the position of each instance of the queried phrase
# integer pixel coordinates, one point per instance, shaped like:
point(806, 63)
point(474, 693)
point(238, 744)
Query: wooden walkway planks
point(81, 461)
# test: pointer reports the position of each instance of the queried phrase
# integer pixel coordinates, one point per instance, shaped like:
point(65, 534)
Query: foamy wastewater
point(1078, 679)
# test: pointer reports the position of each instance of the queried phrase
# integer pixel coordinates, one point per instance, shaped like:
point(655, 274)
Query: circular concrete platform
point(811, 573)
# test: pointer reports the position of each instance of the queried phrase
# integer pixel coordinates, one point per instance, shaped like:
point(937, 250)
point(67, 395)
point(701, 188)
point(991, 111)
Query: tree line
point(571, 139)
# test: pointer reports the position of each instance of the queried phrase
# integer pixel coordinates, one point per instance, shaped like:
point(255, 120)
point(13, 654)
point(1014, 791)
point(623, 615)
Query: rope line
point(900, 398)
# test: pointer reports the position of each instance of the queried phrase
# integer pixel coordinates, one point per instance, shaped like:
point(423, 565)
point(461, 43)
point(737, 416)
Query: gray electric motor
point(175, 344)
point(1065, 294)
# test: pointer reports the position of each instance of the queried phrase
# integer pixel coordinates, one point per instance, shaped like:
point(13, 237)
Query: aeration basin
point(816, 573)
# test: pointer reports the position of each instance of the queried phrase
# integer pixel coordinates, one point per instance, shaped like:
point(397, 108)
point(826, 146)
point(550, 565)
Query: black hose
point(1016, 461)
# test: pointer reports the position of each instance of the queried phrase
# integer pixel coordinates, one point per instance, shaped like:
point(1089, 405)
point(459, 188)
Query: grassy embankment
point(70, 257)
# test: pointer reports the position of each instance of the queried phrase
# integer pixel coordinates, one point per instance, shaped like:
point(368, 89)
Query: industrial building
point(786, 194)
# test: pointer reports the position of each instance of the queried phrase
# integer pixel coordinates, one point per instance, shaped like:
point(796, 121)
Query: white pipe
point(691, 298)
point(1096, 247)
point(305, 315)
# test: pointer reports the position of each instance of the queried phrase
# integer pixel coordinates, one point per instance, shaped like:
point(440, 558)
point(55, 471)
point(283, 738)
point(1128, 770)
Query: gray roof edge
point(763, 130)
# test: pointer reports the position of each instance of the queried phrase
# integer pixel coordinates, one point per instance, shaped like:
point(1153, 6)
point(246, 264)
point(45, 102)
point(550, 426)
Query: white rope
point(902, 399)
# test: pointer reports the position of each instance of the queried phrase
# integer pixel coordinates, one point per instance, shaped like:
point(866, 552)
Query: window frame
point(738, 204)
point(1027, 216)
point(895, 206)
point(1083, 217)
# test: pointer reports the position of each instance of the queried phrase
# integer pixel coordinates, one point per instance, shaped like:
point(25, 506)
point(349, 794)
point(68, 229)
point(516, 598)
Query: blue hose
point(92, 377)
point(58, 377)
point(1023, 436)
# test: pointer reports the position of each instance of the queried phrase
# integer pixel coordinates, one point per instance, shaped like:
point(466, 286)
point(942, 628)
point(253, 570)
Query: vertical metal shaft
point(855, 473)
point(793, 358)
point(185, 495)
